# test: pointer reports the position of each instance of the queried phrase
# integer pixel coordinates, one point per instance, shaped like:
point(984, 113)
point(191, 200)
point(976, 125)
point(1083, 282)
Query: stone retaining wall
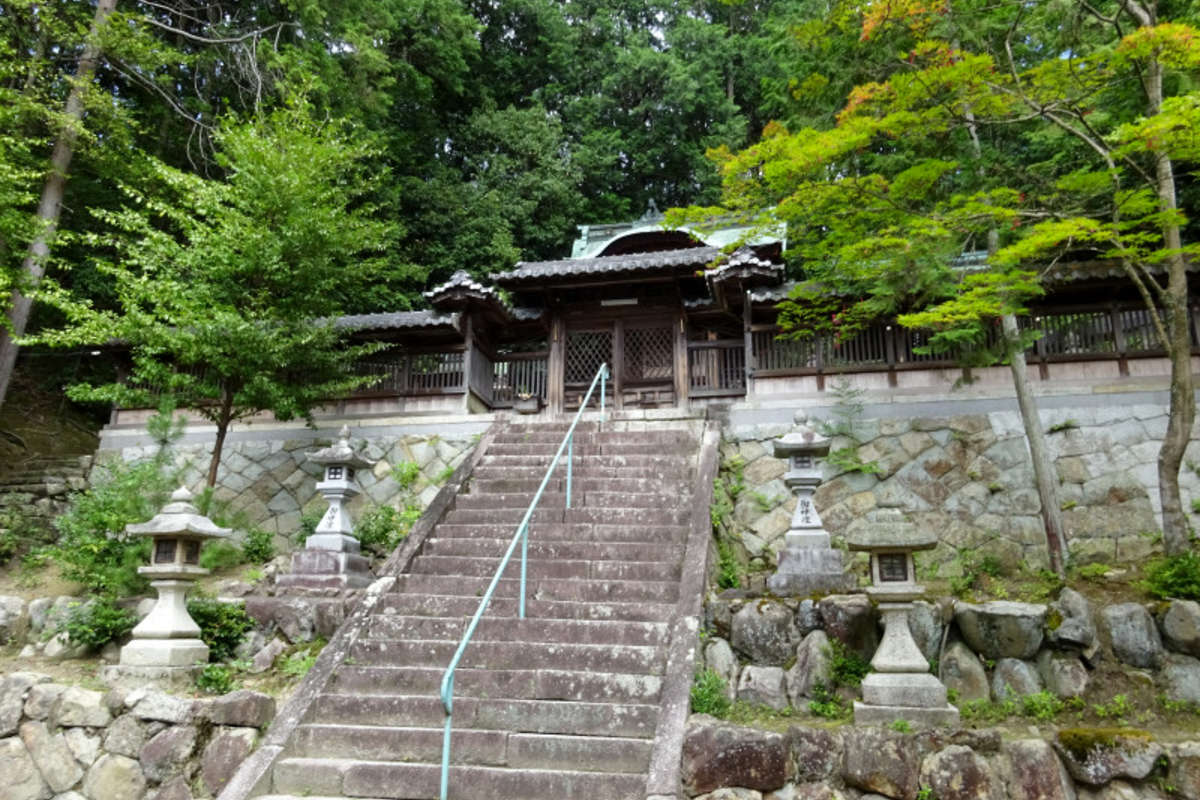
point(969, 479)
point(272, 482)
point(72, 743)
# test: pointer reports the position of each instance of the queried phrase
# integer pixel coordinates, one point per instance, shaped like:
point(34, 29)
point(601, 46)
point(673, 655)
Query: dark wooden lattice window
point(649, 354)
point(191, 552)
point(586, 351)
point(164, 551)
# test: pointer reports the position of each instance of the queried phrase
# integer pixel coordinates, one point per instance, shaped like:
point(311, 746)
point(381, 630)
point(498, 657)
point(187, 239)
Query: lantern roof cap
point(803, 439)
point(179, 517)
point(340, 452)
point(894, 534)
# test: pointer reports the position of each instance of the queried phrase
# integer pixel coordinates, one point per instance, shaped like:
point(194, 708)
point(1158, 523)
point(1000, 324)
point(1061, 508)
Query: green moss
point(1053, 620)
point(1081, 741)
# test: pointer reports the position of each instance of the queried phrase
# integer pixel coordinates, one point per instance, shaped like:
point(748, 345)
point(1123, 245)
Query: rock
point(250, 644)
point(1097, 755)
point(816, 752)
point(224, 754)
point(813, 665)
point(13, 619)
point(76, 707)
point(1063, 674)
point(1181, 678)
point(716, 755)
point(1184, 770)
point(22, 781)
point(1121, 790)
point(1135, 638)
point(764, 632)
point(925, 623)
point(83, 745)
point(851, 619)
point(958, 773)
point(1181, 627)
point(59, 648)
point(13, 689)
point(1014, 678)
point(39, 610)
point(174, 789)
point(50, 753)
point(883, 762)
point(962, 671)
point(265, 658)
point(1001, 628)
point(242, 708)
point(1032, 771)
point(763, 686)
point(732, 793)
point(167, 752)
point(41, 699)
point(114, 778)
point(718, 656)
point(161, 707)
point(1074, 626)
point(808, 617)
point(125, 736)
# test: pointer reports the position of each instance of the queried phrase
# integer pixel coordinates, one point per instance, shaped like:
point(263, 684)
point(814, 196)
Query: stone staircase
point(562, 704)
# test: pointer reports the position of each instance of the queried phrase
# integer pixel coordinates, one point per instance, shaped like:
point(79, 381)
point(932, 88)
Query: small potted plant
point(526, 402)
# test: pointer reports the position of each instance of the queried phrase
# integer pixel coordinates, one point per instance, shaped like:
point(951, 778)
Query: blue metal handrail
point(521, 535)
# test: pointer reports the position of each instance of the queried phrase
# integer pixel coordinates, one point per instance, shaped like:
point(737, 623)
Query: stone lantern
point(808, 564)
point(331, 558)
point(167, 641)
point(901, 686)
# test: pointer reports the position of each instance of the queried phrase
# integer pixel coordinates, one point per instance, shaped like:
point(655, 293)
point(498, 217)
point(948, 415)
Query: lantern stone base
point(327, 569)
point(124, 676)
point(903, 689)
point(339, 542)
point(164, 653)
point(805, 569)
point(917, 716)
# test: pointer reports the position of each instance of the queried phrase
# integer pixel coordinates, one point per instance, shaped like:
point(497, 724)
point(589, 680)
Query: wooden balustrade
point(716, 368)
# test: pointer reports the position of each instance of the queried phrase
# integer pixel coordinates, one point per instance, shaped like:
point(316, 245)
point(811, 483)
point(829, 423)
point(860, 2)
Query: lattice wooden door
point(586, 351)
point(649, 355)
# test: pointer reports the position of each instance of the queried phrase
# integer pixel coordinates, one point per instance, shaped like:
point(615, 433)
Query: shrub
point(93, 549)
point(99, 622)
point(308, 526)
point(215, 679)
point(1174, 577)
point(381, 529)
point(708, 694)
point(847, 668)
point(1043, 706)
point(827, 703)
point(405, 474)
point(221, 554)
point(259, 547)
point(222, 625)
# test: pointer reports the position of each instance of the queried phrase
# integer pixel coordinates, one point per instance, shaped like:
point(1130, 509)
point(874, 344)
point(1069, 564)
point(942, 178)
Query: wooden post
point(1114, 315)
point(747, 322)
point(683, 379)
point(889, 348)
point(618, 363)
point(555, 369)
point(468, 357)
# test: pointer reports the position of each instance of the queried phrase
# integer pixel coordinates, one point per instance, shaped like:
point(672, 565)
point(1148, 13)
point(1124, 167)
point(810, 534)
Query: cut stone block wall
point(969, 479)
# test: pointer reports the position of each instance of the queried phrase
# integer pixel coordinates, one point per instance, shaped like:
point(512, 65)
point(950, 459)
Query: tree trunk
point(50, 206)
point(1043, 470)
point(224, 418)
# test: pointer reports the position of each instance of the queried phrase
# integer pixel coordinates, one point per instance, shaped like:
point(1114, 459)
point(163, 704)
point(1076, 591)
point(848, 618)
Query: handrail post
point(570, 463)
point(524, 561)
point(445, 786)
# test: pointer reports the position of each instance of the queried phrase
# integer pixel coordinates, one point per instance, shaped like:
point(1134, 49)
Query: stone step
point(538, 436)
point(513, 629)
point(558, 485)
point(386, 779)
point(579, 591)
point(529, 684)
point(670, 515)
point(635, 720)
point(545, 568)
point(652, 460)
point(582, 532)
point(440, 605)
point(487, 748)
point(579, 499)
point(593, 551)
point(509, 655)
point(657, 448)
point(673, 474)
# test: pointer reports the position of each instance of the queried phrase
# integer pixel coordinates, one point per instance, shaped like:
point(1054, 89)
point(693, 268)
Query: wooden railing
point(480, 380)
point(518, 374)
point(413, 373)
point(717, 368)
point(1068, 334)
